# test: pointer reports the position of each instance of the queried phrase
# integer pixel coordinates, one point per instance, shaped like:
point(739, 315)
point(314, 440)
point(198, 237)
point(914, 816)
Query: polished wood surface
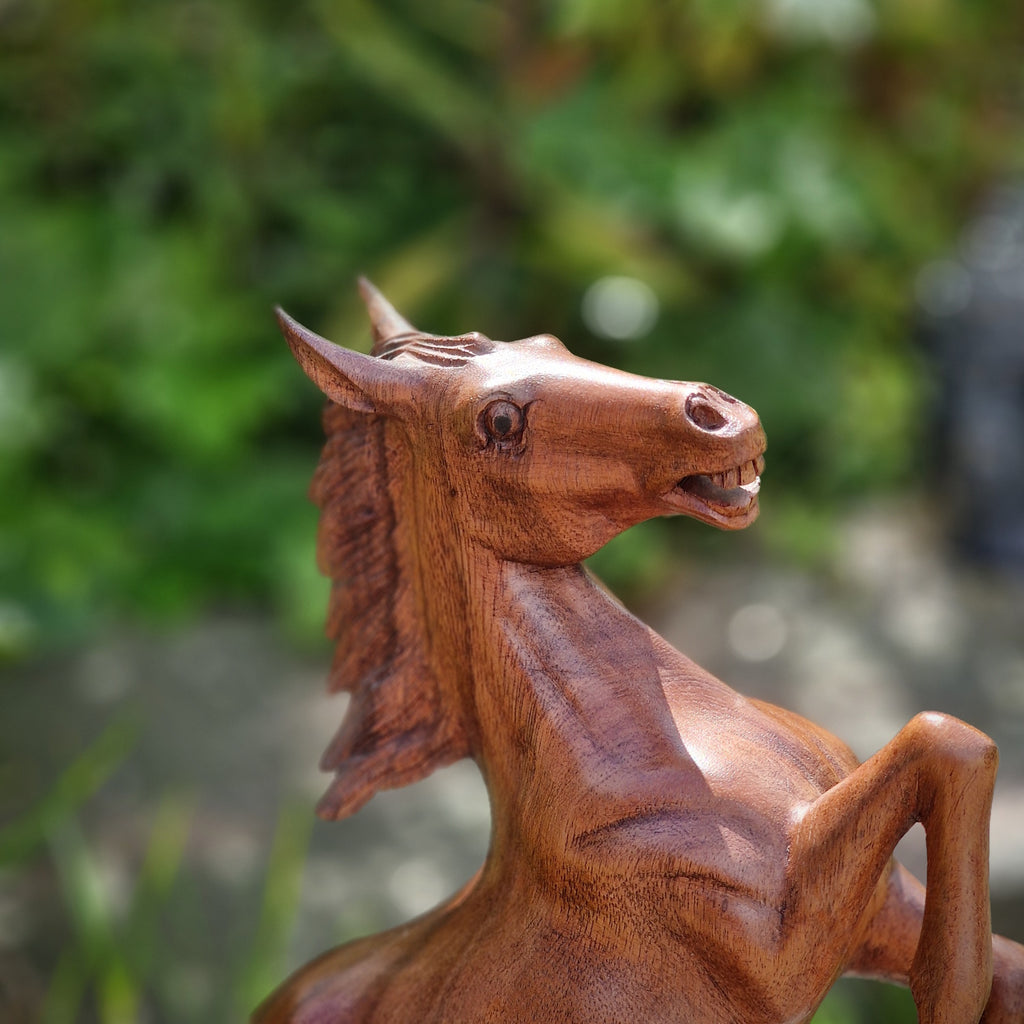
point(662, 849)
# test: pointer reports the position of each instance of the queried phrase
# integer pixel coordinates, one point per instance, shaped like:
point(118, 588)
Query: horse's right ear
point(358, 382)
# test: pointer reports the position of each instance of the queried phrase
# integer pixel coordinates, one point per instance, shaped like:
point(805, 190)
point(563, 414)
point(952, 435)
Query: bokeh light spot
point(621, 308)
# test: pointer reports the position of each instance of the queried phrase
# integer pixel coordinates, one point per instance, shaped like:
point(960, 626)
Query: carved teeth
point(739, 476)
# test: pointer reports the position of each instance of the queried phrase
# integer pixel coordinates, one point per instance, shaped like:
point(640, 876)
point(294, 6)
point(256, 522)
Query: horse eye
point(503, 421)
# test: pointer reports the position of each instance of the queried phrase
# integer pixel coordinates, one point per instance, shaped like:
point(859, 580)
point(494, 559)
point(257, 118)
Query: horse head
point(535, 453)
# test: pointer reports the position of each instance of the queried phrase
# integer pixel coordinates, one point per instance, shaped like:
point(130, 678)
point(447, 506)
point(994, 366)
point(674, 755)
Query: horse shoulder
point(835, 758)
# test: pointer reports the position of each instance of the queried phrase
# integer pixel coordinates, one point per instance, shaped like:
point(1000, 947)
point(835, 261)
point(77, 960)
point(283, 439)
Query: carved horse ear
point(358, 382)
point(387, 322)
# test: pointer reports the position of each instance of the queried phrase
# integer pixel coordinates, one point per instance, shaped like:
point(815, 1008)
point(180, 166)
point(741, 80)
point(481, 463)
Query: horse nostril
point(703, 414)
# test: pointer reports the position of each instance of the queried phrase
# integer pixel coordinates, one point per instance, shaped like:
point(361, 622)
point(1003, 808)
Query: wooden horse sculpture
point(662, 848)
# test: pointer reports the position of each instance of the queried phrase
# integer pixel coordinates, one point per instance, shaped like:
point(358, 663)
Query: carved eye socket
point(503, 421)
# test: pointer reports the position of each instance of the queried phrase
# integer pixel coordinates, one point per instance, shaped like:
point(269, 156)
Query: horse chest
point(661, 814)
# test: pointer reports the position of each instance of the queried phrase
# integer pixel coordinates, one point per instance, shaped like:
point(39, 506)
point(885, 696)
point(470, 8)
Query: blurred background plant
point(747, 193)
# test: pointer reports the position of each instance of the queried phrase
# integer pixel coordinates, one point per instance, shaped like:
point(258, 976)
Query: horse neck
point(564, 680)
point(549, 671)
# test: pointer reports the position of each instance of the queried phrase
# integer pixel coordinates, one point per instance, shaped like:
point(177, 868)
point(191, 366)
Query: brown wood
point(662, 848)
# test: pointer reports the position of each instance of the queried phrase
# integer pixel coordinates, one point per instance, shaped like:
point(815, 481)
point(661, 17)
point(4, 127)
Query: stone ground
point(223, 726)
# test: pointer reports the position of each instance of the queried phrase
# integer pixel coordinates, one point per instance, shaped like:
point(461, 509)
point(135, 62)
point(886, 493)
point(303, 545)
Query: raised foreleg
point(938, 771)
point(890, 936)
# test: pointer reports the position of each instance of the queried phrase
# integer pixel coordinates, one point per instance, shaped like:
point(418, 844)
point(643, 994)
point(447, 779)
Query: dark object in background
point(973, 326)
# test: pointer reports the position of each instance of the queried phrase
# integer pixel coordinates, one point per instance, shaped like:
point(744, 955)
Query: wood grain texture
point(662, 848)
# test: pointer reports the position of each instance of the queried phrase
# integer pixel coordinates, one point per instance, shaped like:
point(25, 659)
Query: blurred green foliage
point(124, 959)
point(776, 172)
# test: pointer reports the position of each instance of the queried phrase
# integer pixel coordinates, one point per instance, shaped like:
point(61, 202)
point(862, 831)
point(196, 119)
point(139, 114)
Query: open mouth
point(720, 496)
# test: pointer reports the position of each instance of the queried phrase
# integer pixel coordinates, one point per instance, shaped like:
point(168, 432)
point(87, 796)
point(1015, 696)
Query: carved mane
point(400, 724)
